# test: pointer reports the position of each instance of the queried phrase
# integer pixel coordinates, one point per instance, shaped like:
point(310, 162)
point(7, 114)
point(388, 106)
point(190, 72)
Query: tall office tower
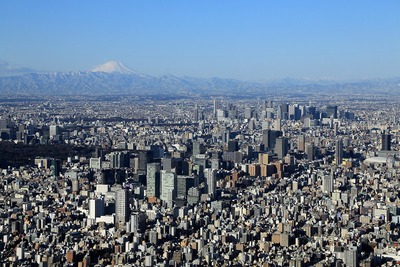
point(386, 139)
point(301, 143)
point(211, 180)
point(168, 187)
point(221, 114)
point(55, 167)
point(196, 113)
point(281, 147)
point(338, 152)
point(183, 184)
point(153, 179)
point(225, 135)
point(278, 124)
point(279, 112)
point(119, 160)
point(350, 256)
point(269, 138)
point(252, 125)
point(233, 146)
point(193, 195)
point(137, 222)
point(285, 108)
point(327, 183)
point(198, 148)
point(310, 151)
point(121, 206)
point(54, 130)
point(144, 157)
point(216, 107)
point(248, 113)
point(331, 111)
point(96, 208)
point(335, 128)
point(294, 112)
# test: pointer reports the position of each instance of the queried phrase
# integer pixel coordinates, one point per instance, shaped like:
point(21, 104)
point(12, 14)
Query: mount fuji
point(114, 67)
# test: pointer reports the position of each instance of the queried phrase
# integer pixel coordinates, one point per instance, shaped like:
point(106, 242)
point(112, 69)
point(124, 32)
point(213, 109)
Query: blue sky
point(247, 40)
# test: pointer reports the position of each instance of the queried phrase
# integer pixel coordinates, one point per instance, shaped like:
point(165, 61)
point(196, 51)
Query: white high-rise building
point(122, 206)
point(211, 180)
point(54, 130)
point(96, 208)
point(327, 183)
point(137, 223)
point(168, 187)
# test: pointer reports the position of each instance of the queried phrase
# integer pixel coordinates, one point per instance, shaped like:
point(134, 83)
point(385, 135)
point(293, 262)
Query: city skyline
point(254, 41)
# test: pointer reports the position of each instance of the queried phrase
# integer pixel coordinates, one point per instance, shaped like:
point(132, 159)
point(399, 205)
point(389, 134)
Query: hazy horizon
point(249, 41)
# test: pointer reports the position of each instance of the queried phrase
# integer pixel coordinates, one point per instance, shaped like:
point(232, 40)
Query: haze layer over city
point(212, 133)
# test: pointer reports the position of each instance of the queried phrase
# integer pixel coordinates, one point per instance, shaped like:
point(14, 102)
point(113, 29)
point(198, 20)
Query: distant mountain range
point(114, 78)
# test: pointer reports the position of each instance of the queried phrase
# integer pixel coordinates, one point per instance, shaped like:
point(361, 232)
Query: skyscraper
point(301, 143)
point(168, 187)
point(196, 113)
point(96, 208)
point(327, 183)
point(54, 130)
point(386, 139)
point(122, 206)
point(210, 176)
point(281, 147)
point(331, 111)
point(137, 222)
point(351, 259)
point(338, 152)
point(216, 107)
point(153, 179)
point(310, 151)
point(269, 138)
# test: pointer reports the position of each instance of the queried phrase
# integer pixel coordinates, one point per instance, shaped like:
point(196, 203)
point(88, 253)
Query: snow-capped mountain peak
point(114, 67)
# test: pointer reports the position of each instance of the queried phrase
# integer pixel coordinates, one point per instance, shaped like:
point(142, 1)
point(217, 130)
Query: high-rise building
point(153, 179)
point(279, 112)
point(310, 151)
point(294, 112)
point(350, 257)
point(278, 125)
point(331, 112)
point(211, 180)
point(269, 138)
point(55, 167)
point(263, 158)
point(119, 160)
point(183, 184)
point(216, 107)
point(233, 146)
point(144, 157)
point(281, 147)
point(137, 222)
point(327, 183)
point(196, 113)
point(386, 139)
point(54, 130)
point(122, 206)
point(168, 187)
point(96, 208)
point(301, 143)
point(193, 195)
point(338, 152)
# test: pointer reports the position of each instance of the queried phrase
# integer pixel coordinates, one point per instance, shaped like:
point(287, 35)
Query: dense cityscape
point(284, 180)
